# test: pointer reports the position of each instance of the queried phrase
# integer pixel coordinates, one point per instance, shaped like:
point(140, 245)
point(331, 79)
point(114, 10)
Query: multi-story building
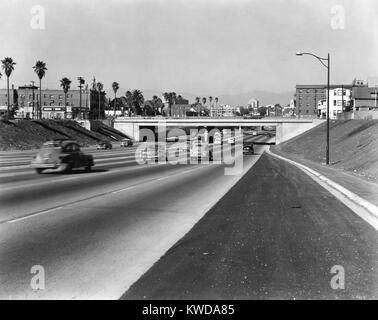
point(339, 102)
point(253, 105)
point(365, 98)
point(308, 97)
point(4, 100)
point(26, 100)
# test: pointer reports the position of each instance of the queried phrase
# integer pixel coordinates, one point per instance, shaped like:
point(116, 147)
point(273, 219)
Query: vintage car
point(154, 152)
point(201, 150)
point(126, 142)
point(61, 156)
point(103, 145)
point(248, 148)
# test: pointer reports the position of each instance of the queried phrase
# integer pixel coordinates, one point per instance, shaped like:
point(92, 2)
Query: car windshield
point(50, 145)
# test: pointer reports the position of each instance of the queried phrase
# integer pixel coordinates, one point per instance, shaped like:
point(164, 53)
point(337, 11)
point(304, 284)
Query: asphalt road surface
point(275, 235)
point(96, 233)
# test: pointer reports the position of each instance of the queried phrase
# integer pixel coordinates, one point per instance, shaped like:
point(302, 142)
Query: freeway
point(96, 233)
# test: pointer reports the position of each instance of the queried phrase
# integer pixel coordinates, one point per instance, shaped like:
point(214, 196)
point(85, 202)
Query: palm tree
point(211, 105)
point(171, 99)
point(203, 104)
point(100, 86)
point(40, 70)
point(115, 87)
point(65, 84)
point(137, 101)
point(8, 66)
point(129, 101)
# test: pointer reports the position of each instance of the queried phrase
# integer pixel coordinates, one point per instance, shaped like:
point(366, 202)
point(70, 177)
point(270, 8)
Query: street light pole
point(328, 76)
point(328, 66)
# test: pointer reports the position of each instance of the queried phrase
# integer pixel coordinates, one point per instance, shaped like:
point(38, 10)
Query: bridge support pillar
point(130, 129)
point(279, 133)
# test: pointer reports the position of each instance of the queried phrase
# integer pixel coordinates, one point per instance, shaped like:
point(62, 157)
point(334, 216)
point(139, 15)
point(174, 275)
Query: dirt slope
point(28, 134)
point(353, 146)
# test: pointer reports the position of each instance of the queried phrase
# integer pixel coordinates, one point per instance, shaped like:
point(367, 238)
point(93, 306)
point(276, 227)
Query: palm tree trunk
point(8, 97)
point(65, 106)
point(99, 104)
point(40, 99)
point(115, 101)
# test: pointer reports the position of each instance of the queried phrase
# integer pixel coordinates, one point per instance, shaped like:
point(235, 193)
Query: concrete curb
point(363, 208)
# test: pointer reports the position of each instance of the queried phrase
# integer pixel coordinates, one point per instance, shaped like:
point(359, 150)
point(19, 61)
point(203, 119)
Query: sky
point(202, 47)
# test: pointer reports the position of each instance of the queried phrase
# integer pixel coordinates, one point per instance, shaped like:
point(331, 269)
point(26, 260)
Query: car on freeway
point(127, 142)
point(201, 150)
point(231, 140)
point(154, 152)
point(103, 145)
point(61, 156)
point(248, 148)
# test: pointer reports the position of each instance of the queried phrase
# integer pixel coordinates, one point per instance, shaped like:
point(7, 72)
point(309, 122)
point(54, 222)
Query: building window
point(60, 97)
point(334, 102)
point(45, 95)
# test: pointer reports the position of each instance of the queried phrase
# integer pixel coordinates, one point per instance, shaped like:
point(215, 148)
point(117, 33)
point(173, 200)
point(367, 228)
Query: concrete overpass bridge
point(285, 128)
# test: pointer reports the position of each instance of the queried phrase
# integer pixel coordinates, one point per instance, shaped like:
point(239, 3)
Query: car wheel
point(88, 168)
point(68, 168)
point(39, 170)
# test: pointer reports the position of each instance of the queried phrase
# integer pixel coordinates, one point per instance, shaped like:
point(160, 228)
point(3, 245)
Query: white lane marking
point(97, 159)
point(32, 215)
point(121, 190)
point(43, 181)
point(363, 208)
point(30, 171)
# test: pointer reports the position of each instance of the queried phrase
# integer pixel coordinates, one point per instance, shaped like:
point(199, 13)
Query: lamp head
point(299, 53)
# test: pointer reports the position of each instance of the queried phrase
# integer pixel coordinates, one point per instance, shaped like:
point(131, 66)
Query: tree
point(115, 87)
point(277, 110)
point(170, 98)
point(8, 66)
point(203, 106)
point(100, 86)
point(137, 101)
point(40, 70)
point(129, 101)
point(262, 111)
point(65, 83)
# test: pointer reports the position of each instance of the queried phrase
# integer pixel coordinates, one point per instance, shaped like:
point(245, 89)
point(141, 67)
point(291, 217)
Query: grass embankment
point(353, 146)
point(29, 134)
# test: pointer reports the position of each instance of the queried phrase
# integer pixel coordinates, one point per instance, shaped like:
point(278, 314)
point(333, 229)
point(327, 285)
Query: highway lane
point(96, 233)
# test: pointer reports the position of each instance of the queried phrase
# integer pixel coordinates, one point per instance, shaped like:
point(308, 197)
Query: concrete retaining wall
point(358, 115)
point(285, 131)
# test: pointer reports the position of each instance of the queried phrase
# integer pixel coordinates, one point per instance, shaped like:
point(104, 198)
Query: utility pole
point(86, 100)
point(81, 82)
point(328, 78)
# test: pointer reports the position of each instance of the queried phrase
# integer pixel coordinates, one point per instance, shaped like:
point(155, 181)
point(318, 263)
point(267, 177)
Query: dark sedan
point(61, 156)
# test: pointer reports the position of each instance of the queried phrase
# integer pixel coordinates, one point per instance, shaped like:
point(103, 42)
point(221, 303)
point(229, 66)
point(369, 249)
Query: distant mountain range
point(264, 97)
